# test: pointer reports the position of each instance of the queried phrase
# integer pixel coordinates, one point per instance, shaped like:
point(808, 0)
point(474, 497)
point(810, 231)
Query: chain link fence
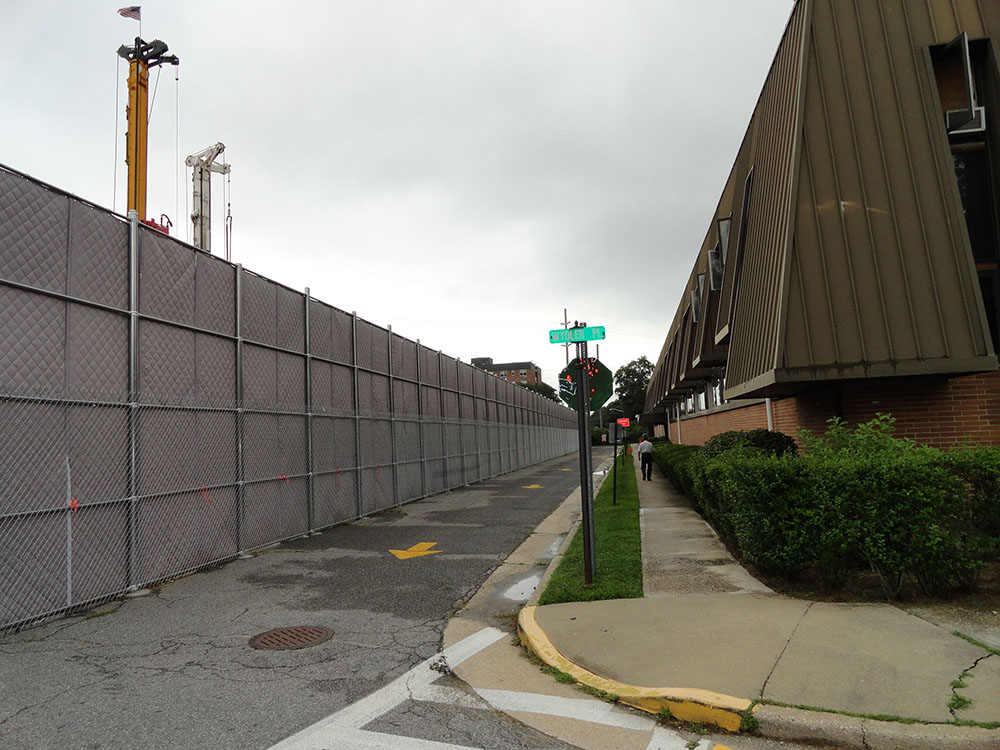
point(162, 410)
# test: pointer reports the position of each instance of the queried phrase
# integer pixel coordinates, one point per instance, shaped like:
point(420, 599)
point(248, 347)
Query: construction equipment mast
point(141, 56)
point(202, 166)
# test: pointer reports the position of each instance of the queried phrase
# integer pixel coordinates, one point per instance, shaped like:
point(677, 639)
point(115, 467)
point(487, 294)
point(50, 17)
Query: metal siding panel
point(970, 18)
point(754, 340)
point(881, 133)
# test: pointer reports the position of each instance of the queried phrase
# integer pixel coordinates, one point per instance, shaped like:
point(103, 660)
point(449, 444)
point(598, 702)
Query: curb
point(774, 722)
point(686, 704)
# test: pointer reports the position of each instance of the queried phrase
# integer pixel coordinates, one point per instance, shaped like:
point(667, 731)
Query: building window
point(523, 373)
point(972, 172)
point(989, 285)
point(960, 69)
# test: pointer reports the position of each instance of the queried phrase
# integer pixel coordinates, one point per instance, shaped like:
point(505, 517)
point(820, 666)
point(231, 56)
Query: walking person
point(646, 459)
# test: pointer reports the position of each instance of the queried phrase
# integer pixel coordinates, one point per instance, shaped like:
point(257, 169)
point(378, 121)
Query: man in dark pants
point(646, 458)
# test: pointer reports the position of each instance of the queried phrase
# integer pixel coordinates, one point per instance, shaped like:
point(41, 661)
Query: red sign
point(623, 421)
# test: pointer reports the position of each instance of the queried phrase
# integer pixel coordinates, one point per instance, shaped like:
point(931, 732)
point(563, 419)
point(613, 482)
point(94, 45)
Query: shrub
point(672, 459)
point(767, 441)
point(857, 498)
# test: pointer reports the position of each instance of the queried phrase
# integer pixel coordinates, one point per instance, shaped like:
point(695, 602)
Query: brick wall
point(935, 411)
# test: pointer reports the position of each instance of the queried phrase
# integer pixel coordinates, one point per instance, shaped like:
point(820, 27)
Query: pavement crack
point(864, 736)
point(784, 648)
point(958, 701)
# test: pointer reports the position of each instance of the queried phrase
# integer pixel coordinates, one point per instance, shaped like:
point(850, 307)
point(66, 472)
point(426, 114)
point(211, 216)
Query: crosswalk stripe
point(584, 709)
point(327, 732)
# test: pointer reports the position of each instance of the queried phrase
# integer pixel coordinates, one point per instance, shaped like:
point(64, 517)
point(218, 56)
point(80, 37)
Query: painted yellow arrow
point(417, 550)
point(531, 486)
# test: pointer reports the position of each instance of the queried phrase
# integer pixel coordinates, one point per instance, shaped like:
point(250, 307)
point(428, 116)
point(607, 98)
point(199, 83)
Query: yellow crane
point(141, 56)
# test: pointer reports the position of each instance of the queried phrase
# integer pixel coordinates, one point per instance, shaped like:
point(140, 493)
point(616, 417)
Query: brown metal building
point(851, 266)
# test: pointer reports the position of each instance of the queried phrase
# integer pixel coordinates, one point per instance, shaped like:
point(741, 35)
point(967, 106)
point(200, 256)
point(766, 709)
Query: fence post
point(420, 428)
point(487, 425)
point(357, 408)
point(392, 429)
point(240, 419)
point(133, 399)
point(310, 484)
point(461, 420)
point(444, 437)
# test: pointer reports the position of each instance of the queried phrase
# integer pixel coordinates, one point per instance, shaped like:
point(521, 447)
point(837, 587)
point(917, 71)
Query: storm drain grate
point(300, 636)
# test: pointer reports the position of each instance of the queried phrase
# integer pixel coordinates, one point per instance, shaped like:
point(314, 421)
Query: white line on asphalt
point(326, 731)
point(347, 738)
point(667, 739)
point(583, 709)
point(449, 696)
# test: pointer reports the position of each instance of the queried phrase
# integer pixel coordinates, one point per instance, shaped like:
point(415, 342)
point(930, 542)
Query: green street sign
point(576, 335)
point(601, 383)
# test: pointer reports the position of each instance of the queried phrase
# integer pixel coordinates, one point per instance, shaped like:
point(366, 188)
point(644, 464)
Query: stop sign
point(601, 383)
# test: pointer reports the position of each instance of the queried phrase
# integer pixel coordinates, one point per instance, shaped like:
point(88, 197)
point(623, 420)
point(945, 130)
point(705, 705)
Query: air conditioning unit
point(959, 122)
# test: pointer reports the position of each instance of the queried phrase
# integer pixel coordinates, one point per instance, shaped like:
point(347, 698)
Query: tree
point(631, 381)
point(544, 389)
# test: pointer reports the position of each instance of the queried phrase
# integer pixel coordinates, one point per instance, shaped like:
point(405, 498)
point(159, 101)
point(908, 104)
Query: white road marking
point(449, 696)
point(327, 732)
point(584, 709)
point(666, 739)
point(347, 738)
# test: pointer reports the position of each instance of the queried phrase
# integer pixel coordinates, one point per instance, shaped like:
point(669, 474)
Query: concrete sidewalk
point(708, 641)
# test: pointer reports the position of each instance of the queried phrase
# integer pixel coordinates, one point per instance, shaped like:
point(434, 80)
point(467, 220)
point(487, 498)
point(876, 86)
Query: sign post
point(586, 468)
point(623, 422)
point(575, 387)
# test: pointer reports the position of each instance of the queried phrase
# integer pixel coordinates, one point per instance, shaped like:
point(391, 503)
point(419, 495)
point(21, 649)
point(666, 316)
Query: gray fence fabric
point(162, 410)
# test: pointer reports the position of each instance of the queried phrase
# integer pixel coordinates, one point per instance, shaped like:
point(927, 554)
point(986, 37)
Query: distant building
point(852, 265)
point(523, 373)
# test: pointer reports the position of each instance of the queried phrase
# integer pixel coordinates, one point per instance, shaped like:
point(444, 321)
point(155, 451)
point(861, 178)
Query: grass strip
point(618, 544)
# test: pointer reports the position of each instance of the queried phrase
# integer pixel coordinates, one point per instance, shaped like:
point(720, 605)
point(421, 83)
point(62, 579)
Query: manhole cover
point(300, 636)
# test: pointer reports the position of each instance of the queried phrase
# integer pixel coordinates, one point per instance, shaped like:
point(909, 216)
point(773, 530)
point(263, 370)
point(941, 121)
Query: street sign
point(576, 335)
point(601, 383)
point(623, 421)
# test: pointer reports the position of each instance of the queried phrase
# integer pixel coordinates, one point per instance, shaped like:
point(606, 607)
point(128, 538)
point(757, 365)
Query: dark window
point(972, 172)
point(989, 284)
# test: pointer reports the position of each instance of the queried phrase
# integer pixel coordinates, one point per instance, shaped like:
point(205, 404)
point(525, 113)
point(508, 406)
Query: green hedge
point(855, 499)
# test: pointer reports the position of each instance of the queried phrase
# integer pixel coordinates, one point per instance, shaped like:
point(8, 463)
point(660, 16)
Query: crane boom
point(202, 165)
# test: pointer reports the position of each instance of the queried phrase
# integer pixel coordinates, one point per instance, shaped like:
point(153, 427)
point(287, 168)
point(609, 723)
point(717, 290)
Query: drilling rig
point(141, 56)
point(202, 165)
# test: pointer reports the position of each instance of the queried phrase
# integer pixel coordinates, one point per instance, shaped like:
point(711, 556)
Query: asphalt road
point(174, 669)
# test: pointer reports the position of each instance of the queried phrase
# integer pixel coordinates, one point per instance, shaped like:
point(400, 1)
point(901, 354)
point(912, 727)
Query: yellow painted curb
point(686, 704)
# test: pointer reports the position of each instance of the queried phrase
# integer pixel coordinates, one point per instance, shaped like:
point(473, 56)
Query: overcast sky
point(461, 170)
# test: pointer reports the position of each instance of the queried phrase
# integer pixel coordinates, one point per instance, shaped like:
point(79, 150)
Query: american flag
point(132, 11)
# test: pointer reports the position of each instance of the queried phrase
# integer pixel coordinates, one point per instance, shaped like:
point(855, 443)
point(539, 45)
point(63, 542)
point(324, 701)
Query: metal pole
point(461, 421)
point(240, 418)
point(441, 420)
point(310, 481)
point(357, 407)
point(69, 535)
point(392, 429)
point(133, 399)
point(420, 428)
point(586, 494)
point(614, 464)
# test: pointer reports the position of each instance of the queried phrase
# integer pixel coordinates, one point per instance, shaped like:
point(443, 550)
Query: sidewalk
point(708, 641)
